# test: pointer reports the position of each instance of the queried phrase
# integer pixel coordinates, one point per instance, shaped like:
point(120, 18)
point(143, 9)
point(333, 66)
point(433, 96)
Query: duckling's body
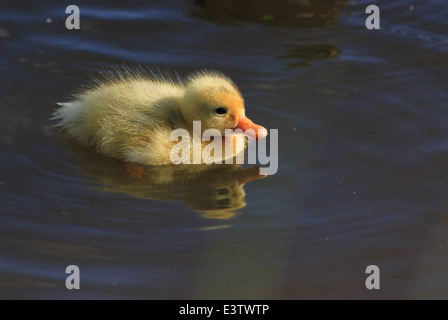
point(132, 117)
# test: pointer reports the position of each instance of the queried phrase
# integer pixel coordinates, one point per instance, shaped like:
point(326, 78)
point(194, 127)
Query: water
point(363, 154)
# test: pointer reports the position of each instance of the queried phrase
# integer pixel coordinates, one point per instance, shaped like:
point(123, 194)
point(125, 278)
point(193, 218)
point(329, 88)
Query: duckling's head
point(215, 100)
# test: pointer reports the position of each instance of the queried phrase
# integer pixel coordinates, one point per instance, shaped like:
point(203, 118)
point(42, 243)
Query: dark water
point(363, 154)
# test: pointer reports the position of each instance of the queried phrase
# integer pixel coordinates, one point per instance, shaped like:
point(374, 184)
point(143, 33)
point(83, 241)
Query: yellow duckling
point(131, 118)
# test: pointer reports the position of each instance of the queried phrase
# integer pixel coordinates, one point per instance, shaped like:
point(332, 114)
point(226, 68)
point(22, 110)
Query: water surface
point(363, 154)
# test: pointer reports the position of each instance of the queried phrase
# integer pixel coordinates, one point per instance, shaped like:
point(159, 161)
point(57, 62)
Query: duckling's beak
point(256, 133)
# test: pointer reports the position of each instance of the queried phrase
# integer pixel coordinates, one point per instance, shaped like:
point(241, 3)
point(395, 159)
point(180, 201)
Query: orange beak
point(256, 133)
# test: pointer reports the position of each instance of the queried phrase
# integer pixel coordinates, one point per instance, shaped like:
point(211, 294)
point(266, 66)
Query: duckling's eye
point(221, 111)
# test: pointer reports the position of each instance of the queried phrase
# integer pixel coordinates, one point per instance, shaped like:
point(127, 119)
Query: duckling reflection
point(215, 191)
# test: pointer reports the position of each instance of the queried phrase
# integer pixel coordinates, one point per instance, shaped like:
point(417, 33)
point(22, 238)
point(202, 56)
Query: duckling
point(131, 117)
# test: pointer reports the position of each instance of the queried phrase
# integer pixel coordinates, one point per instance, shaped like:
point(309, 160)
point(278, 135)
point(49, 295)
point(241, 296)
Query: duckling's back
point(122, 116)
